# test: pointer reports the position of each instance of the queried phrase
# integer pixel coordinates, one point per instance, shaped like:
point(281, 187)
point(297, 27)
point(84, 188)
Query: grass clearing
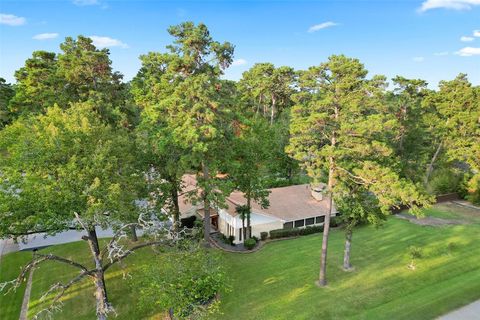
point(277, 282)
point(10, 265)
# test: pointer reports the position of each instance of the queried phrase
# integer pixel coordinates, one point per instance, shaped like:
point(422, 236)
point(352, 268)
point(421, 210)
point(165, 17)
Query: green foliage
point(473, 189)
point(7, 92)
point(186, 282)
point(66, 162)
point(293, 232)
point(445, 181)
point(415, 252)
point(79, 73)
point(266, 89)
point(263, 235)
point(250, 243)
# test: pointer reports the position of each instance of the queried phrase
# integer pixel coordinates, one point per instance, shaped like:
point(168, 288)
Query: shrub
point(256, 238)
point(311, 230)
point(415, 252)
point(250, 243)
point(334, 221)
point(231, 239)
point(446, 181)
point(264, 235)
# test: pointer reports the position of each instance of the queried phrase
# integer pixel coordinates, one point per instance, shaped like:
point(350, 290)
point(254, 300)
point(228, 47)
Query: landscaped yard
point(278, 281)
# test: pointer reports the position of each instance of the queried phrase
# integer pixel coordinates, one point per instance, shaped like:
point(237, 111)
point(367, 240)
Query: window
point(309, 221)
point(299, 223)
point(240, 234)
point(288, 225)
point(320, 219)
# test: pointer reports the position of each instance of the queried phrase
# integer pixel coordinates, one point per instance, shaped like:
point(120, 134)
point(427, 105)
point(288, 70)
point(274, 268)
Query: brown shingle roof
point(286, 203)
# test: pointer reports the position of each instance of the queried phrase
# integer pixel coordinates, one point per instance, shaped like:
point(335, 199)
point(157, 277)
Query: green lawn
point(278, 281)
point(9, 269)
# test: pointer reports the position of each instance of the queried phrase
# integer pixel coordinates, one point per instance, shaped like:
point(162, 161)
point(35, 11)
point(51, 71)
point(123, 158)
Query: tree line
point(79, 146)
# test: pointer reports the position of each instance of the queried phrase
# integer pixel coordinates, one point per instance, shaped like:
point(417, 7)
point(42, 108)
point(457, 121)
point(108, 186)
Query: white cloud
point(468, 52)
point(45, 36)
point(239, 62)
point(439, 54)
point(466, 39)
point(86, 2)
point(448, 4)
point(12, 20)
point(322, 25)
point(106, 42)
point(476, 33)
point(418, 59)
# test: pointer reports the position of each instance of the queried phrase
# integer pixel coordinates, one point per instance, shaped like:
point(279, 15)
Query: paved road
point(469, 312)
point(41, 240)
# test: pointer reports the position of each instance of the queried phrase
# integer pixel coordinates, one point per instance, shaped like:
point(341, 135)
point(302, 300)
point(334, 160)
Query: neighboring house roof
point(286, 203)
point(189, 183)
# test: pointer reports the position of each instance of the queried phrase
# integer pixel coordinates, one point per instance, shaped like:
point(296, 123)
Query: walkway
point(469, 312)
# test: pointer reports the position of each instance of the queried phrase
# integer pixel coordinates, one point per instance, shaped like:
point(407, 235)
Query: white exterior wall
point(258, 222)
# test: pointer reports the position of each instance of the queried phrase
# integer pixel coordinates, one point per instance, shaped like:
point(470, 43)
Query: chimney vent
point(317, 192)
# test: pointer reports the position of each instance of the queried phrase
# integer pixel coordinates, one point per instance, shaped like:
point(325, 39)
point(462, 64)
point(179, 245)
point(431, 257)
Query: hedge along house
point(296, 206)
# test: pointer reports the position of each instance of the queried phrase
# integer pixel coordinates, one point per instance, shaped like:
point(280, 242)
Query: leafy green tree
point(267, 89)
point(455, 113)
point(38, 85)
point(64, 170)
point(339, 131)
point(248, 168)
point(413, 140)
point(80, 73)
point(195, 111)
point(7, 91)
point(151, 88)
point(183, 284)
point(358, 206)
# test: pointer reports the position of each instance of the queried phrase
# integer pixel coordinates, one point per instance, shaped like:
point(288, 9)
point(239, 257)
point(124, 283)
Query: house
point(296, 206)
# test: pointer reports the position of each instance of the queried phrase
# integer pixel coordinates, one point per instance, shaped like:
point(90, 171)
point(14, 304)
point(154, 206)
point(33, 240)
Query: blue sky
point(428, 39)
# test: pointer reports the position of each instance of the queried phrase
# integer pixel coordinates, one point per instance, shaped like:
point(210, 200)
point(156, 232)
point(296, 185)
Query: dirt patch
point(428, 221)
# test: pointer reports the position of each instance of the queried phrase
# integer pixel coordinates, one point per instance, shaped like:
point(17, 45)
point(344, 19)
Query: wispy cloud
point(466, 39)
point(448, 4)
point(82, 3)
point(239, 62)
point(418, 59)
point(107, 42)
point(439, 54)
point(12, 20)
point(45, 36)
point(468, 52)
point(322, 25)
point(476, 33)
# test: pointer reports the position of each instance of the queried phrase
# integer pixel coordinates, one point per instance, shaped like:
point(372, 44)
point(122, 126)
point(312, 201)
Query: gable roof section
point(286, 203)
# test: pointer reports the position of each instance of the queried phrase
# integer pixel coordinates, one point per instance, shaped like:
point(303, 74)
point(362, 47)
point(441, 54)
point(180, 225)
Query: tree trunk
point(348, 245)
point(206, 205)
point(249, 228)
point(133, 232)
point(103, 307)
point(272, 114)
point(430, 165)
point(176, 208)
point(243, 228)
point(322, 279)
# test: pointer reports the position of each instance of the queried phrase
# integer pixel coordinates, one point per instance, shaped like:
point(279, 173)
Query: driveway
point(469, 312)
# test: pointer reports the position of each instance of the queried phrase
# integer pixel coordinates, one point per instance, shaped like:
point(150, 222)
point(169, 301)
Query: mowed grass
point(277, 282)
point(10, 265)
